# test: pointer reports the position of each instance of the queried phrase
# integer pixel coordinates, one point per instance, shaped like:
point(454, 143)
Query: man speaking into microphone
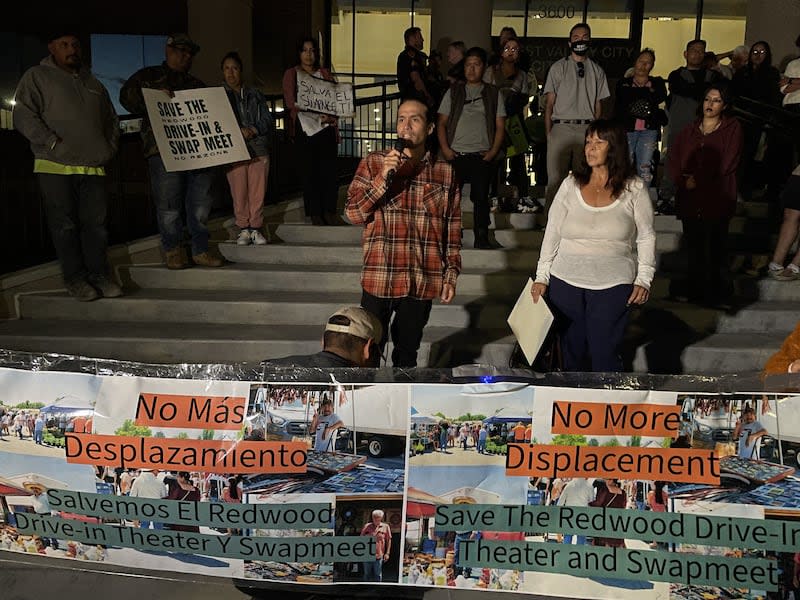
point(410, 206)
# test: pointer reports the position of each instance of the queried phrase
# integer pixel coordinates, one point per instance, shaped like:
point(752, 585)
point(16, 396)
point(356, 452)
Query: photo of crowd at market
point(467, 426)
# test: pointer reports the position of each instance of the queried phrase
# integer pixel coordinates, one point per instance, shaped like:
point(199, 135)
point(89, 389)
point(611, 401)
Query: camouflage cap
point(182, 40)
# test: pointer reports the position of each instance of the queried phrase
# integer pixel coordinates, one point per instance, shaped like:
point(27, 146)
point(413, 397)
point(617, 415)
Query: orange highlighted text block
point(210, 456)
point(621, 462)
point(191, 412)
point(599, 418)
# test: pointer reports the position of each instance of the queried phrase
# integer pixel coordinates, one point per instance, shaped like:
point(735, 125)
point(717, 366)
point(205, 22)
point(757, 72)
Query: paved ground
point(457, 456)
point(27, 446)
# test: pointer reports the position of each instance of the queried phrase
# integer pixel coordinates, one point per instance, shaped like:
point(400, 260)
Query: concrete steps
point(272, 301)
point(163, 342)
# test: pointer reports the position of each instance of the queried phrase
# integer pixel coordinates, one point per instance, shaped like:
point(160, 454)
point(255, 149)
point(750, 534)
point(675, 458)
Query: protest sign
point(195, 129)
point(320, 95)
point(459, 495)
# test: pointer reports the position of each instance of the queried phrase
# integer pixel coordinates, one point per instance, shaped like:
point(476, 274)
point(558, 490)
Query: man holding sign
point(173, 190)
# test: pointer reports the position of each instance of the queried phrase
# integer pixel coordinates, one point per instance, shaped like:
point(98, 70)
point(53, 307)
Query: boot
point(175, 258)
point(482, 239)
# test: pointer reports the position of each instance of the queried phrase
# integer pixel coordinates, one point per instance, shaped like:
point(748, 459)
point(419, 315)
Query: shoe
point(108, 288)
point(664, 207)
point(787, 274)
point(206, 259)
point(175, 259)
point(244, 238)
point(82, 291)
point(332, 219)
point(482, 240)
point(257, 237)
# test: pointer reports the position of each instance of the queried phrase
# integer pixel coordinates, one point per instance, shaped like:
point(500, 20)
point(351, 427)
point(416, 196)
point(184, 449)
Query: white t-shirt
point(792, 72)
point(593, 248)
point(323, 443)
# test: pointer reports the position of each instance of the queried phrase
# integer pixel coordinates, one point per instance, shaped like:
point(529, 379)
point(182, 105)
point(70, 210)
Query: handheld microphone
point(399, 145)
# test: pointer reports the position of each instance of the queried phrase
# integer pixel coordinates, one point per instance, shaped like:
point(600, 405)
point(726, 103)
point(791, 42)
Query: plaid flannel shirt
point(412, 234)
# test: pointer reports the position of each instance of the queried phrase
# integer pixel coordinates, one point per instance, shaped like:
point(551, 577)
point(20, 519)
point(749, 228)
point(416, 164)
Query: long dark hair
point(659, 492)
point(767, 62)
point(725, 92)
point(233, 487)
point(314, 43)
point(618, 161)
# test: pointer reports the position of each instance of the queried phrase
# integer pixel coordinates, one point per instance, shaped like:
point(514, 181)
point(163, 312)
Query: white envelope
point(530, 321)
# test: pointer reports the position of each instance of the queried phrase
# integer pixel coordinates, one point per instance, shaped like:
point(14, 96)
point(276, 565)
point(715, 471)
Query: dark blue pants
point(174, 190)
point(410, 317)
point(591, 323)
point(75, 206)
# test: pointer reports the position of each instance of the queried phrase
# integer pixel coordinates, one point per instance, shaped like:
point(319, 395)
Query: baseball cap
point(182, 40)
point(363, 324)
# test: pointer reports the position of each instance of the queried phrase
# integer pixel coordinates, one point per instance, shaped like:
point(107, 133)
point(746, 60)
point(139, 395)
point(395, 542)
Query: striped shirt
point(412, 235)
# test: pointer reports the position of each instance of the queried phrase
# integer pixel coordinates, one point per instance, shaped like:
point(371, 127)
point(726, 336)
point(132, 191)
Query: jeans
point(174, 191)
point(592, 323)
point(709, 278)
point(481, 446)
point(642, 145)
point(472, 169)
point(317, 155)
point(146, 525)
point(410, 317)
point(75, 206)
point(373, 570)
point(38, 436)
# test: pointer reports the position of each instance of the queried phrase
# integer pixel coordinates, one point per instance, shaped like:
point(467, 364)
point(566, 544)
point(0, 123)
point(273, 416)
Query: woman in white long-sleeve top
point(598, 254)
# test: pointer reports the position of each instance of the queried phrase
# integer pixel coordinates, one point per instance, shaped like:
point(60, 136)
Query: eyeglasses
point(714, 100)
point(511, 50)
point(581, 69)
point(758, 51)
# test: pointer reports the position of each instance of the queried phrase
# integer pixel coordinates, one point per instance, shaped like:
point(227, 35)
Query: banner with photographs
point(595, 493)
point(195, 129)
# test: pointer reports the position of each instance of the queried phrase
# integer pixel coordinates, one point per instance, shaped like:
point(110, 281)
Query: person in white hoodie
point(67, 116)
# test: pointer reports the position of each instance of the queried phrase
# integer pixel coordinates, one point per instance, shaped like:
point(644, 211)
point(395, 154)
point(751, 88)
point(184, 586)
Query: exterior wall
point(467, 20)
point(218, 29)
point(776, 21)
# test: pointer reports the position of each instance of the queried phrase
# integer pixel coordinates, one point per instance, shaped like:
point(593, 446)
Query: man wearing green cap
point(67, 116)
point(174, 190)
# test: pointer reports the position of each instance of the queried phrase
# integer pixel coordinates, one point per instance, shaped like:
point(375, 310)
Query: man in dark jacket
point(67, 116)
point(350, 340)
point(172, 190)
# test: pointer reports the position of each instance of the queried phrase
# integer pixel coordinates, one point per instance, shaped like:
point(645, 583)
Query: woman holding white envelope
point(598, 253)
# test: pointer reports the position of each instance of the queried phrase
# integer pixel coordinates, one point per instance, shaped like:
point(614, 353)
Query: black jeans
point(472, 169)
point(75, 206)
point(317, 155)
point(410, 317)
point(707, 247)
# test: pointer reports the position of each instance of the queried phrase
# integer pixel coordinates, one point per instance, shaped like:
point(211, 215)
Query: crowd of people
point(454, 127)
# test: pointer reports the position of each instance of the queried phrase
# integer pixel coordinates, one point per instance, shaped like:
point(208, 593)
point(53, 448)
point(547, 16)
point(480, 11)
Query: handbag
point(640, 109)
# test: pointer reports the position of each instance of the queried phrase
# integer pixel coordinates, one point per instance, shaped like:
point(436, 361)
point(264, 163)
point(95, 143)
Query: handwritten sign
point(322, 96)
point(195, 129)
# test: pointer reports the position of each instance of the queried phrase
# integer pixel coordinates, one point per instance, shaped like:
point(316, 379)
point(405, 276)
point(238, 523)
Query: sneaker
point(82, 291)
point(774, 269)
point(257, 237)
point(244, 238)
point(175, 259)
point(788, 274)
point(664, 207)
point(108, 288)
point(206, 259)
